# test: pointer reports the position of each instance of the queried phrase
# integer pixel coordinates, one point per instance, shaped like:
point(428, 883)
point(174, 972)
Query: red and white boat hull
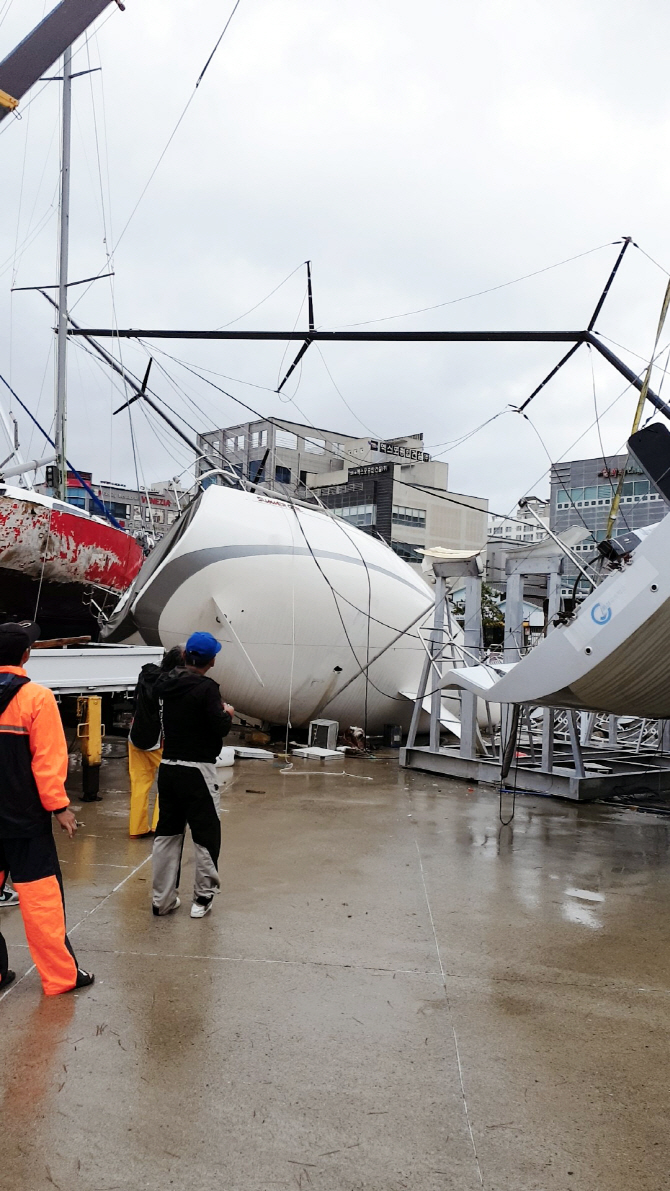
point(55, 553)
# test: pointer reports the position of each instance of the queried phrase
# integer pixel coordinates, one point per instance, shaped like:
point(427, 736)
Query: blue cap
point(203, 646)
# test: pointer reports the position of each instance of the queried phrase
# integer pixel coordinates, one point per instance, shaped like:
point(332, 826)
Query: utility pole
point(64, 246)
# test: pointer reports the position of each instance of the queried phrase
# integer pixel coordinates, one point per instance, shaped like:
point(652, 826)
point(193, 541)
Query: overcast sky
point(416, 153)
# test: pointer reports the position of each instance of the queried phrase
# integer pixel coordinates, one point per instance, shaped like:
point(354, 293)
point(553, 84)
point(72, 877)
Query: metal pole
point(472, 640)
point(436, 637)
point(523, 504)
point(134, 384)
point(61, 381)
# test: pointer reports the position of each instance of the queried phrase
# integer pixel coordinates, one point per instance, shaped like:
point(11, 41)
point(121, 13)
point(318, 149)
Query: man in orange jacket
point(33, 763)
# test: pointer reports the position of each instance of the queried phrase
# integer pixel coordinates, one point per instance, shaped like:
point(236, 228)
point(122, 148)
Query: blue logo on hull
point(601, 613)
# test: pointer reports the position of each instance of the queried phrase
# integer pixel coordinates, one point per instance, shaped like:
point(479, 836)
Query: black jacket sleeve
point(216, 716)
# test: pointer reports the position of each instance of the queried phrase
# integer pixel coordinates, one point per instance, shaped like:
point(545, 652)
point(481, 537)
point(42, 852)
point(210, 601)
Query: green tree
point(492, 615)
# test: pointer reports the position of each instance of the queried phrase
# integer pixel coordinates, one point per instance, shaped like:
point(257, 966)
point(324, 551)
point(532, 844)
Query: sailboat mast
point(64, 248)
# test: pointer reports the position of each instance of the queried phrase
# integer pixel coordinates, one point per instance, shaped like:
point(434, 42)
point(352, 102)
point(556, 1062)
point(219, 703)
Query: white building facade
point(390, 488)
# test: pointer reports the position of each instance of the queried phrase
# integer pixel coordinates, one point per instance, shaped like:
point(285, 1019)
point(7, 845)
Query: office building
point(390, 488)
point(141, 511)
point(581, 494)
point(523, 527)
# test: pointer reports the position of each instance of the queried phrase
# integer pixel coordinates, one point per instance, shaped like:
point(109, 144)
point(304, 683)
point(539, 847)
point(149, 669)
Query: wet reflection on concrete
point(393, 991)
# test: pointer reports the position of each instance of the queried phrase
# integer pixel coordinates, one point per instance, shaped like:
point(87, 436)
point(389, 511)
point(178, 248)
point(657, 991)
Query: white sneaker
point(9, 897)
point(175, 906)
point(199, 911)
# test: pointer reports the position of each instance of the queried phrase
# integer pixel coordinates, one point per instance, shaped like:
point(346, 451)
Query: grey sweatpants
point(188, 795)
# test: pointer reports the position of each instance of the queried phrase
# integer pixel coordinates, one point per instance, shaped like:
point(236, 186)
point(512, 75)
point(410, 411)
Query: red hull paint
point(40, 538)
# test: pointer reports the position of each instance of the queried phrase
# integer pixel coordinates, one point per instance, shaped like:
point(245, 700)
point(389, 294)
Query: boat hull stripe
point(150, 604)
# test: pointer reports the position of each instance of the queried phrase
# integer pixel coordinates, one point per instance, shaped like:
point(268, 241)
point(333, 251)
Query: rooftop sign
point(391, 448)
point(371, 469)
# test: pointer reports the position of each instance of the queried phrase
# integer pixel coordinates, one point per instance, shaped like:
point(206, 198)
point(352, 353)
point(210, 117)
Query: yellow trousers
point(143, 768)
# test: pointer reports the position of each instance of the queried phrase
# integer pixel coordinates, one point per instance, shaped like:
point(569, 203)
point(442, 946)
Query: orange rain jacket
point(33, 760)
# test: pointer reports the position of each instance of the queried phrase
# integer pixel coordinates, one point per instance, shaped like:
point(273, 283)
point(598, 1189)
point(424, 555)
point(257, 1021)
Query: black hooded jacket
point(194, 722)
point(145, 731)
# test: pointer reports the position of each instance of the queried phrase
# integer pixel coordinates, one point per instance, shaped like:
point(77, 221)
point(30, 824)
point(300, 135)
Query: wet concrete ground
point(392, 992)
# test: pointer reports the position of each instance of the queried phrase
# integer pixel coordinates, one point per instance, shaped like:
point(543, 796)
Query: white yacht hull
point(614, 656)
point(257, 573)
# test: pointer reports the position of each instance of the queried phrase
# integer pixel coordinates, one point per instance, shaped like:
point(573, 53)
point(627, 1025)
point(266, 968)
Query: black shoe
point(90, 798)
point(84, 978)
point(7, 979)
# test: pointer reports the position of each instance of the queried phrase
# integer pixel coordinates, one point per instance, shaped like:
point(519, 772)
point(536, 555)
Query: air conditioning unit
point(323, 734)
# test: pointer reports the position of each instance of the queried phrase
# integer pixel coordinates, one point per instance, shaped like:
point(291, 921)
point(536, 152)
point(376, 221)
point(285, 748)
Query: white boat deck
point(91, 669)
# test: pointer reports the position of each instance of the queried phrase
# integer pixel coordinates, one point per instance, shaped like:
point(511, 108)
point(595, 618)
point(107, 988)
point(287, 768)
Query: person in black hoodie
point(145, 743)
point(195, 722)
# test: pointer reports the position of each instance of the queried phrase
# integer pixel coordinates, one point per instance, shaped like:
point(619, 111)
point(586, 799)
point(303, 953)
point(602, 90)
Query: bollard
point(90, 733)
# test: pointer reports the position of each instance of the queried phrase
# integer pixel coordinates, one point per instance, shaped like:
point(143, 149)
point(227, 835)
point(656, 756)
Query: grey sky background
point(416, 153)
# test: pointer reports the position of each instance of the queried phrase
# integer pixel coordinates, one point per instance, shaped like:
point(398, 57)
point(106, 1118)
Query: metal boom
point(307, 337)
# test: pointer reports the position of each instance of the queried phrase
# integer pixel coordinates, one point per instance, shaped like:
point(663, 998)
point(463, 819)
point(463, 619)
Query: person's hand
point(67, 821)
point(231, 710)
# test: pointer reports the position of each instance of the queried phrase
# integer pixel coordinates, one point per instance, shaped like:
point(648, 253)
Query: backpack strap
point(9, 685)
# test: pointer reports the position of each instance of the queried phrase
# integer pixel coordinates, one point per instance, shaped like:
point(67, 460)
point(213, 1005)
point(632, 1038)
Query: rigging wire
point(169, 141)
point(395, 698)
point(491, 289)
point(33, 232)
point(637, 355)
point(552, 468)
point(458, 442)
point(573, 444)
point(18, 114)
point(177, 125)
point(289, 764)
point(650, 258)
point(347, 457)
point(166, 438)
point(600, 437)
point(265, 299)
point(342, 397)
point(286, 349)
point(4, 11)
point(354, 543)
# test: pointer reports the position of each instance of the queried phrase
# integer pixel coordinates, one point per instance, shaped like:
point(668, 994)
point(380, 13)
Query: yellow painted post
point(90, 732)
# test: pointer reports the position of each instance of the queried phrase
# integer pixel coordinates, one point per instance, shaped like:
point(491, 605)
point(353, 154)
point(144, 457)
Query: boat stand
point(578, 755)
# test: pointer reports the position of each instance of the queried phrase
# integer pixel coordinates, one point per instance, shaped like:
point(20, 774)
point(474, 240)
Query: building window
point(117, 509)
point(337, 489)
point(359, 515)
point(236, 443)
point(285, 438)
point(76, 497)
point(171, 518)
point(254, 468)
point(282, 475)
point(259, 438)
point(403, 515)
point(315, 446)
point(407, 551)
